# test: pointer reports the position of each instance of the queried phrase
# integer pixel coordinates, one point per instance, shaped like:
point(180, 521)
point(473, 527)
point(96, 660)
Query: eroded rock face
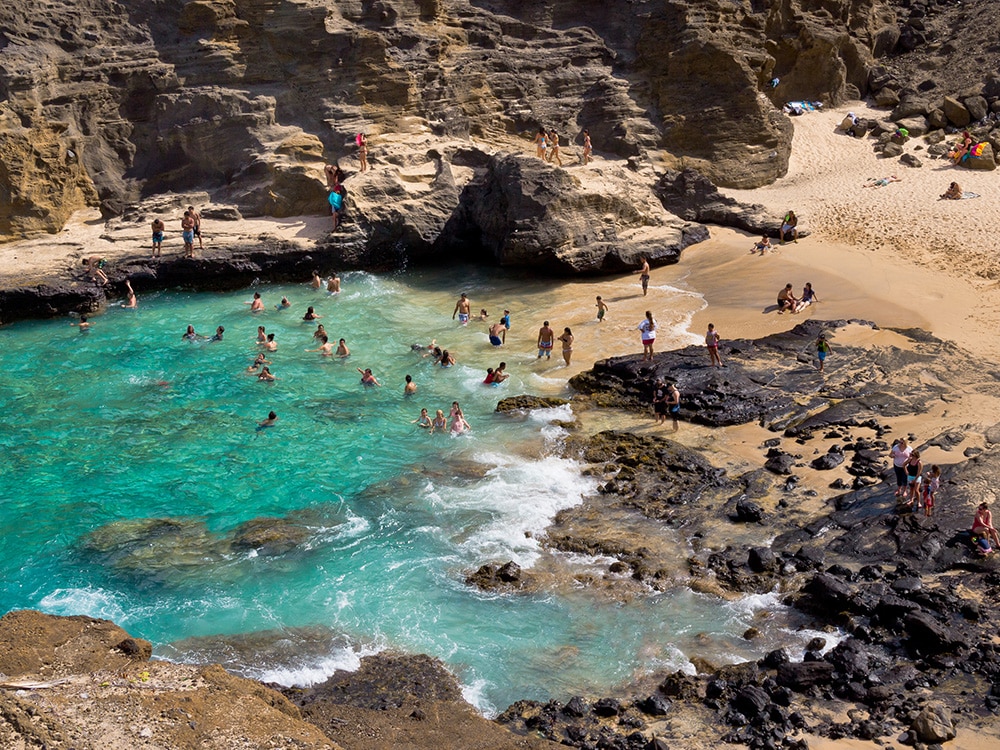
point(102, 104)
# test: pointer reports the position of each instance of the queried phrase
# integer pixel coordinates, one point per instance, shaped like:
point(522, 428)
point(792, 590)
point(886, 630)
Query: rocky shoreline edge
point(904, 597)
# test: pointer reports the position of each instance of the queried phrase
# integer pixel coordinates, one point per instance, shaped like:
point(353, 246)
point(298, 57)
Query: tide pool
point(132, 457)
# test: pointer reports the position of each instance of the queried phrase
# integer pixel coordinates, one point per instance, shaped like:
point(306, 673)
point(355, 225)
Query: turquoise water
point(129, 422)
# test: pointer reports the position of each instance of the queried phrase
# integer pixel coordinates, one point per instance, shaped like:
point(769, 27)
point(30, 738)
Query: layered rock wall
point(104, 103)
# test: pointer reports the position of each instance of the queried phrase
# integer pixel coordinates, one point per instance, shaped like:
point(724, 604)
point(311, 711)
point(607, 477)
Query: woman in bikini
point(567, 345)
point(982, 524)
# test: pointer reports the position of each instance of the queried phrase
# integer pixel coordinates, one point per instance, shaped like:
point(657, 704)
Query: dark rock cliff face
point(103, 103)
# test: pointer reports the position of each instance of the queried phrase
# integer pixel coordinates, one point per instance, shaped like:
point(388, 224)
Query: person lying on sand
point(953, 193)
point(881, 181)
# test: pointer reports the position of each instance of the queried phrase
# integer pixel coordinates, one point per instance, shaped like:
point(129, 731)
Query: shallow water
point(129, 422)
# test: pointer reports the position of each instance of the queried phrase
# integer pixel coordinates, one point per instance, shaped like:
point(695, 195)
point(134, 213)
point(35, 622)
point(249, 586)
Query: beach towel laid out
point(967, 194)
point(799, 108)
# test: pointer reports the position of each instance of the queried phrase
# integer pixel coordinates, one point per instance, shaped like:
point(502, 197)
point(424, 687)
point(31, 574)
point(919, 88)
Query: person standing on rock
point(362, 141)
point(644, 275)
point(554, 150)
point(462, 308)
point(336, 200)
point(660, 402)
point(196, 216)
point(712, 339)
point(900, 455)
point(674, 404)
point(587, 149)
point(647, 330)
point(158, 228)
point(187, 234)
point(546, 336)
point(540, 144)
point(822, 350)
point(789, 225)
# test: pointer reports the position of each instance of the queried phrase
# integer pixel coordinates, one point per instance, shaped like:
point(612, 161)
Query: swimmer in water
point(269, 422)
point(265, 375)
point(317, 281)
point(458, 423)
point(319, 333)
point(285, 304)
point(499, 374)
point(310, 315)
point(271, 345)
point(424, 420)
point(218, 334)
point(325, 349)
point(261, 336)
point(496, 333)
point(410, 388)
point(258, 363)
point(256, 304)
point(333, 284)
point(367, 379)
point(131, 301)
point(342, 350)
point(439, 422)
point(190, 335)
point(84, 326)
point(446, 359)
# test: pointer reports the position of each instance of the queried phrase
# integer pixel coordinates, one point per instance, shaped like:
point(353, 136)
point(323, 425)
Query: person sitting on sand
point(786, 299)
point(808, 297)
point(982, 524)
point(789, 225)
point(953, 193)
point(961, 150)
point(763, 245)
point(881, 181)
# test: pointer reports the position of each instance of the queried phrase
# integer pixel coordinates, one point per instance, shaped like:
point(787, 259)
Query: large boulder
point(985, 161)
point(934, 724)
point(956, 112)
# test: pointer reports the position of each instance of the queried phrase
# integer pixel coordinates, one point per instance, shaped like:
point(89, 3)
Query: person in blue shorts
point(822, 350)
point(496, 332)
point(462, 308)
point(506, 325)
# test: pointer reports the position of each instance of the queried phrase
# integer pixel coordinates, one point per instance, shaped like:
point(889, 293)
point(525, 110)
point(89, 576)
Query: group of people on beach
point(788, 302)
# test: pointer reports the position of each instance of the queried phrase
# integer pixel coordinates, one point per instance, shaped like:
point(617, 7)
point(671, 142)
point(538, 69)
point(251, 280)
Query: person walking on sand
point(496, 333)
point(196, 217)
point(900, 454)
point(789, 225)
point(554, 151)
point(462, 308)
point(158, 229)
point(647, 330)
point(712, 339)
point(540, 145)
point(822, 350)
point(602, 308)
point(187, 234)
point(674, 404)
point(545, 338)
point(587, 148)
point(567, 345)
point(644, 275)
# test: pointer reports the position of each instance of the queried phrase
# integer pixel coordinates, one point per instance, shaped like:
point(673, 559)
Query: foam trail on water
point(305, 675)
point(92, 602)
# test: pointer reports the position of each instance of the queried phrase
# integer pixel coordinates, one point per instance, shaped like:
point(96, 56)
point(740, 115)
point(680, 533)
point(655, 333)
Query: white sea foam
point(347, 659)
point(93, 602)
point(475, 695)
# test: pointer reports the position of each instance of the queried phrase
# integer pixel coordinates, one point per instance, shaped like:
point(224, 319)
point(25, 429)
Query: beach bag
point(977, 150)
point(336, 200)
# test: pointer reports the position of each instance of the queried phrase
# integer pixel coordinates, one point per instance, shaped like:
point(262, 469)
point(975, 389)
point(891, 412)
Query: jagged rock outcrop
point(103, 104)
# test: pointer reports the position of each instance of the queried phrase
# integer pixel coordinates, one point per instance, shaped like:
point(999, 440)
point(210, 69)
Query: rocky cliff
point(103, 103)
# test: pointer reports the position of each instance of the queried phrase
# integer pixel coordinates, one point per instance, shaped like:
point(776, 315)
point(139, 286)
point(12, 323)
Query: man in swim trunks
point(333, 284)
point(187, 233)
point(545, 338)
point(496, 333)
point(644, 276)
point(602, 308)
point(462, 308)
point(158, 229)
point(499, 374)
point(196, 217)
point(786, 299)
